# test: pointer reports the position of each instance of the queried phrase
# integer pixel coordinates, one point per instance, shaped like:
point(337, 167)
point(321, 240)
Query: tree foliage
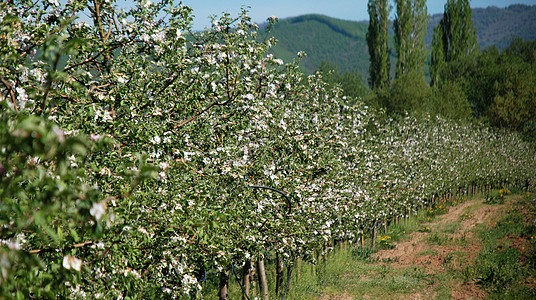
point(454, 39)
point(377, 37)
point(409, 93)
point(410, 29)
point(503, 86)
point(451, 101)
point(350, 82)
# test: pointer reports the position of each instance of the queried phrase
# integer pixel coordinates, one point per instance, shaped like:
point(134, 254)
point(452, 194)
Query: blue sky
point(342, 9)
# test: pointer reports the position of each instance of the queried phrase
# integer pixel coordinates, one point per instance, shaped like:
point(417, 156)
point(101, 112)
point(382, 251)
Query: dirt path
point(445, 258)
point(448, 241)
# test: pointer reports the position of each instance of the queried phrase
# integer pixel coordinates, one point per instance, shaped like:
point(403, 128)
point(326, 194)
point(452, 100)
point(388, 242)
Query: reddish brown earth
point(457, 248)
point(418, 250)
point(447, 249)
point(410, 252)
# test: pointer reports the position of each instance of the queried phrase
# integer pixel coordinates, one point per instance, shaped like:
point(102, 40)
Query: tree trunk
point(224, 285)
point(373, 236)
point(279, 274)
point(289, 277)
point(253, 282)
point(298, 269)
point(246, 280)
point(262, 279)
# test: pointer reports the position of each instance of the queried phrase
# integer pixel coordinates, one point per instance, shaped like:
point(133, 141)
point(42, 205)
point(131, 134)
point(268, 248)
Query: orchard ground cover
point(132, 151)
point(474, 251)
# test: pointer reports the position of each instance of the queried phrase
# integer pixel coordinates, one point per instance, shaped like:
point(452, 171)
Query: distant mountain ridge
point(497, 26)
point(344, 42)
point(323, 39)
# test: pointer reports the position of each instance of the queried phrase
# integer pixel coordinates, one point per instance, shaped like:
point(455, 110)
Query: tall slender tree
point(454, 37)
point(438, 55)
point(377, 43)
point(410, 28)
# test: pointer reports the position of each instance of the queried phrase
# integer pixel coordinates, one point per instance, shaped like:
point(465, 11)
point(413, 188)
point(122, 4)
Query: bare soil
point(410, 251)
point(451, 243)
point(457, 248)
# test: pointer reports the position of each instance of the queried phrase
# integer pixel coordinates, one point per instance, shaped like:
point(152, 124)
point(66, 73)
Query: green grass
point(500, 268)
point(451, 227)
point(358, 273)
point(346, 272)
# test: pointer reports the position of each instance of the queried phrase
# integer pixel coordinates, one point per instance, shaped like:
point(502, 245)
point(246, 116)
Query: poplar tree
point(454, 37)
point(410, 28)
point(438, 60)
point(377, 43)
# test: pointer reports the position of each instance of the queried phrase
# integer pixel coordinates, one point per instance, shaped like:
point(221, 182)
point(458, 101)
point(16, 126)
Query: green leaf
point(20, 295)
point(74, 234)
point(60, 234)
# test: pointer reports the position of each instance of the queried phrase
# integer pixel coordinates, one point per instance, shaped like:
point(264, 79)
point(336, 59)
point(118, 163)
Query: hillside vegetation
point(323, 39)
point(497, 26)
point(344, 42)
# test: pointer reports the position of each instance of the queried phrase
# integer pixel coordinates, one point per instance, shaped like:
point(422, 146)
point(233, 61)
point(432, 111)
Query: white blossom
point(71, 262)
point(105, 171)
point(98, 209)
point(155, 140)
point(147, 4)
point(122, 79)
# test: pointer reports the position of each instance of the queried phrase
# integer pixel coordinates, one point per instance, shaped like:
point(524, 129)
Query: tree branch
point(10, 88)
point(44, 250)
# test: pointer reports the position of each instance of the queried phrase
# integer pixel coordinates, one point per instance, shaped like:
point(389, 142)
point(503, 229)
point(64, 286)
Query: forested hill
point(344, 42)
point(496, 26)
point(323, 39)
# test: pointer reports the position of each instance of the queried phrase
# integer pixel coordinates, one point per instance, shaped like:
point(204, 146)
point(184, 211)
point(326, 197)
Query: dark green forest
point(496, 26)
point(343, 42)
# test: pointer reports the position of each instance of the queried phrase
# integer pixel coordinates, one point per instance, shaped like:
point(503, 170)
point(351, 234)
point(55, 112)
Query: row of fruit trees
point(137, 156)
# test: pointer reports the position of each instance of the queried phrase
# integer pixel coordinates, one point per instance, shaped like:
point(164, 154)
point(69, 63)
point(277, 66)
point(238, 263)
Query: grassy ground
point(473, 249)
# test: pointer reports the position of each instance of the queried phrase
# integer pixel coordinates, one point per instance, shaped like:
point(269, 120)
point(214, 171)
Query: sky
point(355, 10)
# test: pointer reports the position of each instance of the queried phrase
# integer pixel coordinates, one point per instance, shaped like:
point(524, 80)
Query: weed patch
point(501, 267)
point(385, 242)
point(439, 238)
point(496, 269)
point(496, 196)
